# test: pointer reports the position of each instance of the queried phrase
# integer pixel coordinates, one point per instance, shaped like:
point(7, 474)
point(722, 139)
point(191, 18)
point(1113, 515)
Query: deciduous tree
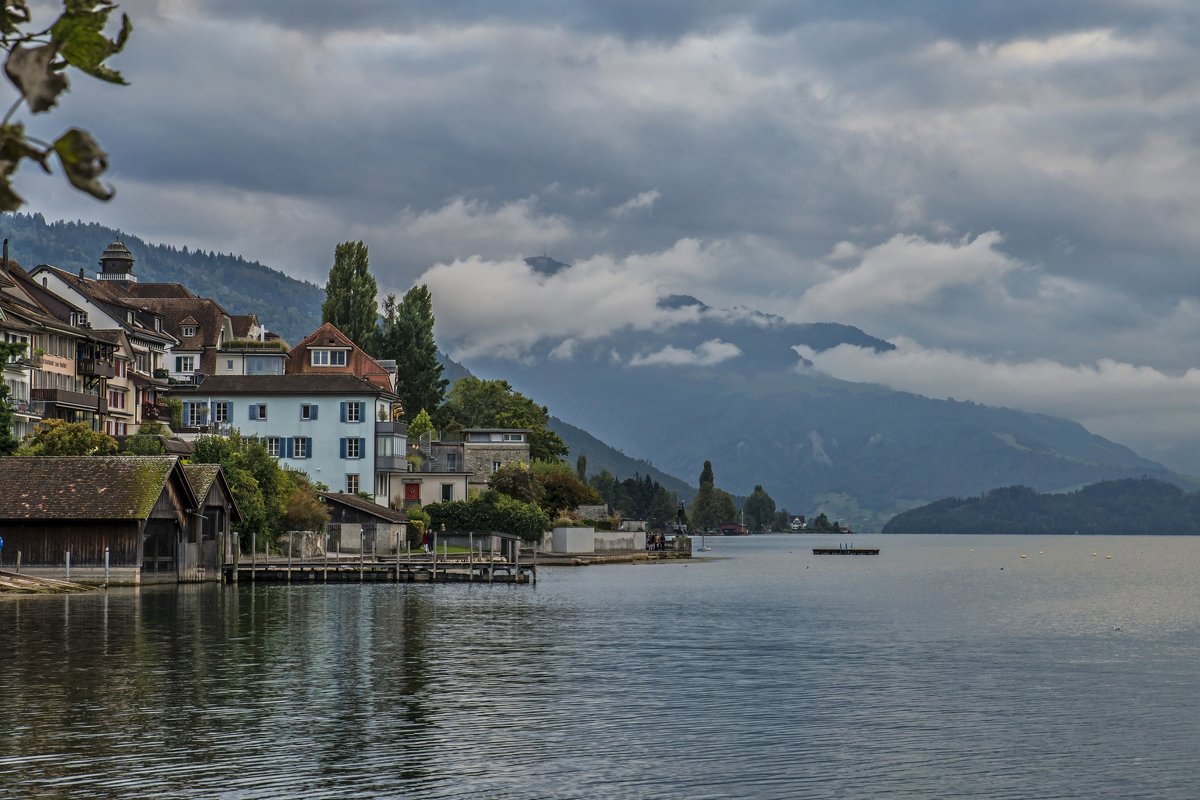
point(475, 403)
point(55, 437)
point(37, 64)
point(759, 509)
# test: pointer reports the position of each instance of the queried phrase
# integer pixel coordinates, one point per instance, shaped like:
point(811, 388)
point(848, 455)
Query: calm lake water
point(944, 667)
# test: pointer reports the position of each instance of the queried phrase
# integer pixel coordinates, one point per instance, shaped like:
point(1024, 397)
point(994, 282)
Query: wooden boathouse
point(113, 519)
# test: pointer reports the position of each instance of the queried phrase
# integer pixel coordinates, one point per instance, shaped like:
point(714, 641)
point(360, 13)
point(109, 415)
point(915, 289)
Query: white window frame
point(220, 411)
point(353, 449)
point(354, 412)
point(273, 445)
point(353, 484)
point(513, 437)
point(300, 447)
point(306, 411)
point(188, 331)
point(262, 411)
point(185, 364)
point(496, 465)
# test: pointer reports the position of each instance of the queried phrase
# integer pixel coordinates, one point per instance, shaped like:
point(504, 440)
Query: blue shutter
point(344, 404)
point(186, 412)
point(308, 447)
point(362, 447)
point(285, 447)
point(342, 446)
point(253, 412)
point(362, 412)
point(212, 412)
point(312, 411)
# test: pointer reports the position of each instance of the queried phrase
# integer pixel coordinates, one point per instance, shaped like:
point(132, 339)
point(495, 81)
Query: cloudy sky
point(1008, 190)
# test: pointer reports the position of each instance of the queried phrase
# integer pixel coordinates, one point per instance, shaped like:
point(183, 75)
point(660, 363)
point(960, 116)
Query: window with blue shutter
point(288, 447)
point(362, 447)
point(343, 406)
point(342, 447)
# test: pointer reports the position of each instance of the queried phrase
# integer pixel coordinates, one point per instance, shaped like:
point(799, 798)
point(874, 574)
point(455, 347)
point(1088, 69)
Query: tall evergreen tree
point(407, 337)
point(581, 467)
point(759, 509)
point(706, 474)
point(350, 295)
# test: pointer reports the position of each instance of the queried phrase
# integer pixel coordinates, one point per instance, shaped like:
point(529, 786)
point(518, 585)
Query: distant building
point(446, 470)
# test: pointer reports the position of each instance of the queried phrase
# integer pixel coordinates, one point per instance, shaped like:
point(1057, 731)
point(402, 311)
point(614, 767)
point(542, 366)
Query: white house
point(338, 428)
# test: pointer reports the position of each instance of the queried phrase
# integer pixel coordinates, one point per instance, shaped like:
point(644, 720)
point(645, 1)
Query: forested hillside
point(287, 306)
point(1143, 506)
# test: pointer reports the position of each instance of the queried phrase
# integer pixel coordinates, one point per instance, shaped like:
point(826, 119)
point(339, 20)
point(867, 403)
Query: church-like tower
point(116, 264)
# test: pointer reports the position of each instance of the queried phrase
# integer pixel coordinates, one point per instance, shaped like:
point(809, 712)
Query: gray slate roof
point(295, 383)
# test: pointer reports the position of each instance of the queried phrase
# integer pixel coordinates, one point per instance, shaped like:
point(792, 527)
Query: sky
point(1006, 190)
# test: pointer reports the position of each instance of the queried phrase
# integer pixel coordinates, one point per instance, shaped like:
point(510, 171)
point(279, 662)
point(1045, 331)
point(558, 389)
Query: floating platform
point(845, 551)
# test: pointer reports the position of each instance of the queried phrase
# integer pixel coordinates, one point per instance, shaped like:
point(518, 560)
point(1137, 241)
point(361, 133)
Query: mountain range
point(858, 452)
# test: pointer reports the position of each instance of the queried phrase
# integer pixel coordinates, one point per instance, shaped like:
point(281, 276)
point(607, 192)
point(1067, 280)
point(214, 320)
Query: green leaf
point(31, 70)
point(15, 13)
point(84, 162)
point(79, 32)
point(13, 148)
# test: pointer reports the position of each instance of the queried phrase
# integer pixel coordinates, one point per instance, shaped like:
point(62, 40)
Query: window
point(301, 447)
point(273, 445)
point(258, 411)
point(222, 411)
point(352, 484)
point(381, 484)
point(495, 465)
point(189, 330)
point(195, 414)
point(352, 447)
point(513, 437)
point(308, 411)
point(263, 365)
point(353, 412)
point(185, 363)
point(229, 364)
point(328, 358)
point(447, 492)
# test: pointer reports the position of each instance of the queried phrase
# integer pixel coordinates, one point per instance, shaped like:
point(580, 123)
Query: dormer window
point(129, 317)
point(189, 331)
point(328, 357)
point(158, 323)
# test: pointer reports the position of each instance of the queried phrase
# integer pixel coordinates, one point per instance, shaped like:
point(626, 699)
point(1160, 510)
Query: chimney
point(81, 272)
point(4, 266)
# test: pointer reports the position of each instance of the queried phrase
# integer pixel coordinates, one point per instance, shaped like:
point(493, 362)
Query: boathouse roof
point(87, 487)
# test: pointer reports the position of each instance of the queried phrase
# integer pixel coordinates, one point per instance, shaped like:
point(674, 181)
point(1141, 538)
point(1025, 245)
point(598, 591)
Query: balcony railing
point(391, 428)
point(96, 368)
point(391, 464)
point(28, 408)
point(70, 399)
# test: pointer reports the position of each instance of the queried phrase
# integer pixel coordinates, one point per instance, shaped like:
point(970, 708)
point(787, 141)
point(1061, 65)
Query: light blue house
point(338, 428)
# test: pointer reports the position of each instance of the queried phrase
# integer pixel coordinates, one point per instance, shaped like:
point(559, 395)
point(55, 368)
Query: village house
point(127, 519)
point(337, 428)
point(440, 471)
point(328, 351)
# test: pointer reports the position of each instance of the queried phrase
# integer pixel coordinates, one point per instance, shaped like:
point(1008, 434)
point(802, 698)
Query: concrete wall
point(608, 541)
point(573, 540)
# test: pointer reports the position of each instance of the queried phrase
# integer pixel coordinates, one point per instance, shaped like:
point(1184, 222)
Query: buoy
point(1041, 552)
point(1108, 556)
point(1024, 556)
point(1095, 554)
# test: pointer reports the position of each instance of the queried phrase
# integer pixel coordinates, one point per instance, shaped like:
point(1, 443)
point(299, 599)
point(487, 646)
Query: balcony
point(391, 464)
point(65, 398)
point(391, 428)
point(95, 368)
point(28, 408)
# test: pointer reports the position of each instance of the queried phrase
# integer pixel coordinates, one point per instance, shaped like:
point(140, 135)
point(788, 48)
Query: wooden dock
point(845, 551)
point(411, 569)
point(30, 584)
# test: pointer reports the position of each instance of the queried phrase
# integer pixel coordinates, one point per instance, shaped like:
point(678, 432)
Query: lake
point(944, 667)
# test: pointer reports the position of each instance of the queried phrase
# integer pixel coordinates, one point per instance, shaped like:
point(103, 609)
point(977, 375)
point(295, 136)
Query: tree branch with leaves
point(37, 65)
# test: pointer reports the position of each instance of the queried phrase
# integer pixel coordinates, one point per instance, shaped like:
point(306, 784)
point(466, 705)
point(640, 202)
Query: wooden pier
point(845, 551)
point(31, 584)
point(421, 568)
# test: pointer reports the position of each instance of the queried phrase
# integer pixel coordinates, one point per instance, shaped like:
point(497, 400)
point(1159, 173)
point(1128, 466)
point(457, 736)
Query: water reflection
point(928, 672)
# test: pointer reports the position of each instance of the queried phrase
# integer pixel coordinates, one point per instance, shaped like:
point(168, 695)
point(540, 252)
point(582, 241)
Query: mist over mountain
point(734, 387)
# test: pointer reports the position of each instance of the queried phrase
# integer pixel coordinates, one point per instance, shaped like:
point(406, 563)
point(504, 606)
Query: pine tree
point(350, 295)
point(581, 467)
point(407, 337)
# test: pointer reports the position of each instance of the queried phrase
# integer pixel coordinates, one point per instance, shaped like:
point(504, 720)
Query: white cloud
point(909, 271)
point(714, 351)
point(565, 350)
point(643, 201)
